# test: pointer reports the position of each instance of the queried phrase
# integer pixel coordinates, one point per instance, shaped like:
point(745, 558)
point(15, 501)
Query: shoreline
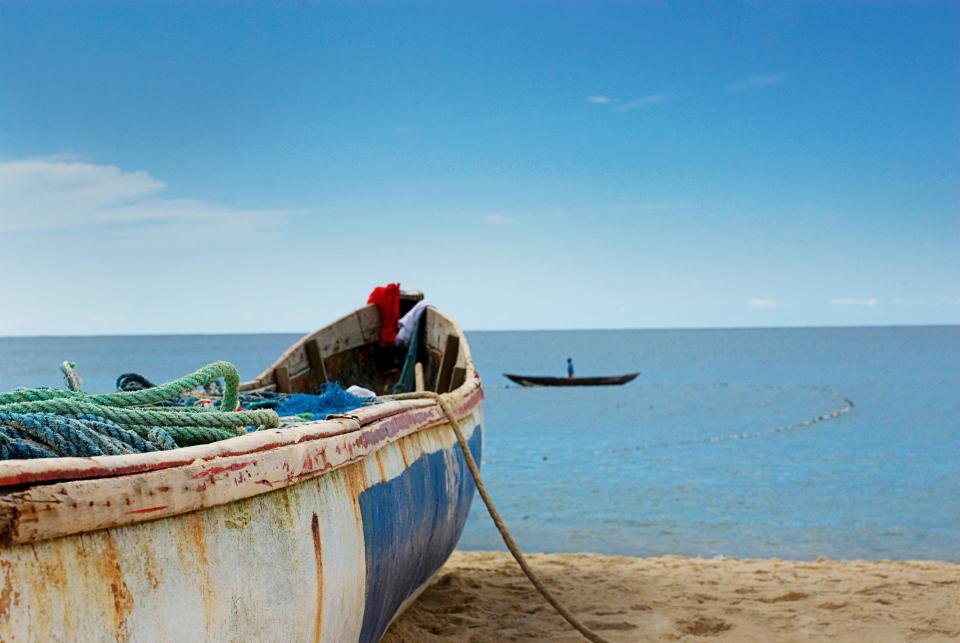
point(483, 596)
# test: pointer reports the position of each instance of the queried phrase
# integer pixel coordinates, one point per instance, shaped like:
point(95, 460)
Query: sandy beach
point(482, 596)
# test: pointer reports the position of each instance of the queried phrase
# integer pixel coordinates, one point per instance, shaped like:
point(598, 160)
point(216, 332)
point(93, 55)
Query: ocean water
point(709, 452)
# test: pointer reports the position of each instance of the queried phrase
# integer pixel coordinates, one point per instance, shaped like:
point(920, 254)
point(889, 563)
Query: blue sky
point(189, 167)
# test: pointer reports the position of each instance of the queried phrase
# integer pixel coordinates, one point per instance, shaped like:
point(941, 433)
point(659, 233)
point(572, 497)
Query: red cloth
point(387, 299)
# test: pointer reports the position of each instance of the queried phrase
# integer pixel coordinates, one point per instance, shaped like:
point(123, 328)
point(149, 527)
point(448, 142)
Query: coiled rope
point(143, 397)
point(508, 540)
point(53, 422)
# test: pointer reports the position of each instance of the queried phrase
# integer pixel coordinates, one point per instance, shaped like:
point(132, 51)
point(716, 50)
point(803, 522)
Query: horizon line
point(505, 330)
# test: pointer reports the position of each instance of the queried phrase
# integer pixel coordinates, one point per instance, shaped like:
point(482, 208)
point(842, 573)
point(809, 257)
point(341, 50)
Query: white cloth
point(361, 392)
point(408, 323)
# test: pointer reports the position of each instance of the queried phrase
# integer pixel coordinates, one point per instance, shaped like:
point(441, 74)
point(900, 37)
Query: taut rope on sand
point(508, 540)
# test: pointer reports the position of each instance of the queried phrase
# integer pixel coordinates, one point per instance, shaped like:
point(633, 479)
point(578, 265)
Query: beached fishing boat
point(324, 530)
point(537, 380)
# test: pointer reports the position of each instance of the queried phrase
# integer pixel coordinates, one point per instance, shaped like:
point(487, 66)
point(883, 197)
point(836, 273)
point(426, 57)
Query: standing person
point(569, 368)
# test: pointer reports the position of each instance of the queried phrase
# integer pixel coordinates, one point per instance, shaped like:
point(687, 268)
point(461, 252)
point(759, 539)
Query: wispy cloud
point(622, 105)
point(645, 101)
point(755, 82)
point(495, 218)
point(60, 192)
point(758, 302)
point(854, 301)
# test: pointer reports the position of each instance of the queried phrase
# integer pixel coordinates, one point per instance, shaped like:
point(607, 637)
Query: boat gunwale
point(111, 466)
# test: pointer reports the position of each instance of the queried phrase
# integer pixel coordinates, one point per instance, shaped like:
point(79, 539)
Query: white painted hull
point(288, 565)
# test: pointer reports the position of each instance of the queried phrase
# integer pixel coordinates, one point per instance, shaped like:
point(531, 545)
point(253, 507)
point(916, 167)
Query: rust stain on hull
point(356, 478)
point(199, 533)
point(8, 595)
point(284, 497)
point(122, 598)
point(379, 458)
point(318, 555)
point(150, 567)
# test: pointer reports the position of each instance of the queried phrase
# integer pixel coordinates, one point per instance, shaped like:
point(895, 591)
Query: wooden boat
point(536, 380)
point(324, 531)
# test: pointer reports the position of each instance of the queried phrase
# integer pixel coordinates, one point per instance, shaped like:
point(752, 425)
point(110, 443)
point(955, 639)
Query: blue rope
point(48, 435)
point(53, 435)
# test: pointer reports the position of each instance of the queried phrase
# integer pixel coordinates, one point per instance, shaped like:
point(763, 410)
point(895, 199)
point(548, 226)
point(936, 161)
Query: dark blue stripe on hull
point(411, 525)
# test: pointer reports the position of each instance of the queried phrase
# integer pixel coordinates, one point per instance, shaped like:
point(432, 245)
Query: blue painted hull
point(411, 525)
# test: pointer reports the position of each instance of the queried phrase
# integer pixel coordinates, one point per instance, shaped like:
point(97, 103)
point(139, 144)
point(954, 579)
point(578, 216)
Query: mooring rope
point(508, 540)
point(53, 422)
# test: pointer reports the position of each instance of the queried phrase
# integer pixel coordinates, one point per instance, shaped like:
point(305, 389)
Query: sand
point(482, 596)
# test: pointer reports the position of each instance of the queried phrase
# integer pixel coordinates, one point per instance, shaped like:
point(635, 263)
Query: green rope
point(160, 393)
point(134, 411)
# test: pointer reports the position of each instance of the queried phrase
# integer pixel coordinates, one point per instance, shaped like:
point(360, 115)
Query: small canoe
point(323, 531)
point(536, 380)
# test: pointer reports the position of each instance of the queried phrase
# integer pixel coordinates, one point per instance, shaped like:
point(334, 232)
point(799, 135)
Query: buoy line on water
point(848, 406)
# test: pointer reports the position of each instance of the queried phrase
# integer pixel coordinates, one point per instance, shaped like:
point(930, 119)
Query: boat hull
point(330, 558)
point(536, 380)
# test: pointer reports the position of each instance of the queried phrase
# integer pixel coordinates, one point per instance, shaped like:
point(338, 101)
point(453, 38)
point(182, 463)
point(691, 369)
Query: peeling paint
point(239, 521)
point(148, 510)
point(213, 471)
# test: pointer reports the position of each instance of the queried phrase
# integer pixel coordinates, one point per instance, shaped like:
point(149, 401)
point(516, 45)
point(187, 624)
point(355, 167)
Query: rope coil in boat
point(44, 422)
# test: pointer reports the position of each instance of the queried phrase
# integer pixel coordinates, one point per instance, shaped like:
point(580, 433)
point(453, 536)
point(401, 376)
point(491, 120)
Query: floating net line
point(847, 405)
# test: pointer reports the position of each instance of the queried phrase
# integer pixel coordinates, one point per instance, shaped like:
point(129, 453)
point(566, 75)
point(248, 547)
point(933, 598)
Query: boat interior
point(348, 351)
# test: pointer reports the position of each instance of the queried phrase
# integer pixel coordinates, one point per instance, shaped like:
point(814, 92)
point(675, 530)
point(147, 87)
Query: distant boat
point(536, 380)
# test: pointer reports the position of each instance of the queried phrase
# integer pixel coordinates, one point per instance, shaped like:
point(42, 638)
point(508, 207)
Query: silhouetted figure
point(569, 367)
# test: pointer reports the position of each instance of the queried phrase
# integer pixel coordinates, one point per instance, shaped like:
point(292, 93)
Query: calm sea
point(705, 454)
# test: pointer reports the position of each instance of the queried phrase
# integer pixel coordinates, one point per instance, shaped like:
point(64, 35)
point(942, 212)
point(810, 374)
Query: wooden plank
point(317, 366)
point(281, 375)
point(297, 361)
point(459, 377)
point(368, 320)
point(303, 383)
point(418, 377)
point(447, 362)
